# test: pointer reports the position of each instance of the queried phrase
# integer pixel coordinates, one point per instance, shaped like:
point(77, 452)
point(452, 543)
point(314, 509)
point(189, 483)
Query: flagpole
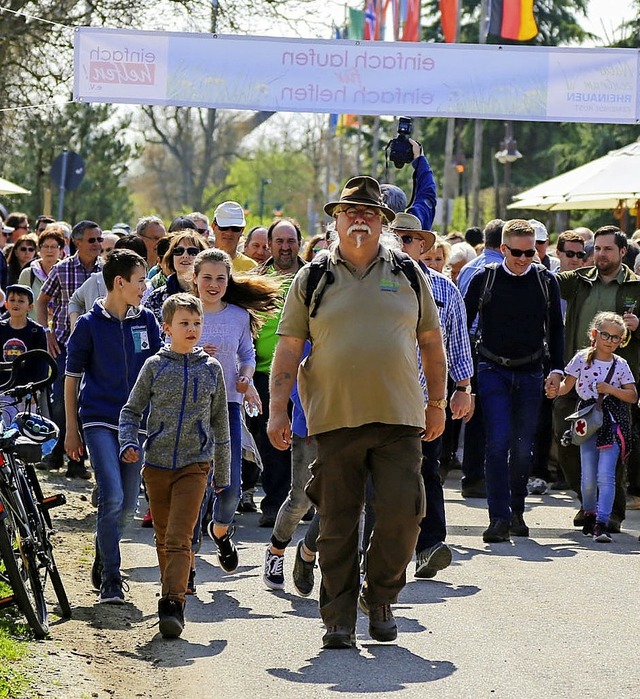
point(478, 130)
point(448, 179)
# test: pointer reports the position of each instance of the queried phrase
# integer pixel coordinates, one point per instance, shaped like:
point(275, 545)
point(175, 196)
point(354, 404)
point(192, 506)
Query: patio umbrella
point(610, 182)
point(7, 187)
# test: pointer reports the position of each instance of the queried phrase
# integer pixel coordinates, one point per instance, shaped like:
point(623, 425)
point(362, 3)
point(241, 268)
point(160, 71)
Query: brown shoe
point(339, 637)
point(382, 624)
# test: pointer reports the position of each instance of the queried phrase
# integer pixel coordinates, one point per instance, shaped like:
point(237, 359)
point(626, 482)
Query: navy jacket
point(108, 354)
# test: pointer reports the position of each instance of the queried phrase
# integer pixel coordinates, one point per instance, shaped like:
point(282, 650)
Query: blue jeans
point(433, 527)
point(510, 400)
point(226, 502)
point(118, 489)
point(598, 482)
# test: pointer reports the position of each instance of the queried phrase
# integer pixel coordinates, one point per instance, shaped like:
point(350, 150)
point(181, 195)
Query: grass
point(14, 635)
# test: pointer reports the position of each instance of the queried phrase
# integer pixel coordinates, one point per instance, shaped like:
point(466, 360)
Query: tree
point(100, 138)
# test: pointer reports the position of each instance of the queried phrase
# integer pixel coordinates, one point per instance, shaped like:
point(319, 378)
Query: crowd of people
point(199, 359)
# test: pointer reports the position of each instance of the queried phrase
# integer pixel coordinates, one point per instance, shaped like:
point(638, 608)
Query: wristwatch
point(464, 389)
point(442, 403)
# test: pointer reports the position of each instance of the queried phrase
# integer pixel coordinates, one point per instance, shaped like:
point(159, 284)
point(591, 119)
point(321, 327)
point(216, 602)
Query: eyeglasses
point(571, 254)
point(235, 229)
point(408, 239)
point(28, 249)
point(50, 248)
point(178, 251)
point(519, 253)
point(91, 241)
point(367, 214)
point(608, 337)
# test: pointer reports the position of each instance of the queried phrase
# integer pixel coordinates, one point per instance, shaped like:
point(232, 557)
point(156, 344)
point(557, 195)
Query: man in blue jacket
point(106, 350)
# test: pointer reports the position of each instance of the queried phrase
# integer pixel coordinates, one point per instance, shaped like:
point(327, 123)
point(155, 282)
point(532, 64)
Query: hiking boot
point(600, 533)
point(518, 526)
point(267, 521)
point(589, 523)
point(303, 577)
point(171, 615)
point(474, 490)
point(191, 583)
point(247, 503)
point(339, 637)
point(537, 486)
point(147, 520)
point(227, 552)
point(431, 560)
point(76, 469)
point(273, 575)
point(382, 624)
point(96, 567)
point(112, 591)
point(496, 532)
point(578, 520)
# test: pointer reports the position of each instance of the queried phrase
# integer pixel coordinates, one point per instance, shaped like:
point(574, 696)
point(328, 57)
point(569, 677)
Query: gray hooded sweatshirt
point(188, 417)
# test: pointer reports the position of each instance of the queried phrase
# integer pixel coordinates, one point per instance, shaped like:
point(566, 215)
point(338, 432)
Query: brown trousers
point(175, 497)
point(392, 456)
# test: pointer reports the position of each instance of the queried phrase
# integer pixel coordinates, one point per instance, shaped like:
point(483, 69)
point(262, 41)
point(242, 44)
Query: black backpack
point(318, 272)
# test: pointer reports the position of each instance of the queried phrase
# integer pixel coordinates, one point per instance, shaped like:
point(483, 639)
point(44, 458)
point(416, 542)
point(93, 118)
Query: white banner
point(531, 83)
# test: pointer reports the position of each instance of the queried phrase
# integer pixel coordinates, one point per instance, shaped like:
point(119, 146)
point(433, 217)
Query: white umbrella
point(610, 182)
point(7, 187)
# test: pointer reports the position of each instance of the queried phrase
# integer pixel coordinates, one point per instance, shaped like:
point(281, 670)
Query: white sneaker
point(273, 570)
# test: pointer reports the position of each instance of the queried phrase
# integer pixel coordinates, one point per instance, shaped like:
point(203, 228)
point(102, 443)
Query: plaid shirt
point(453, 322)
point(64, 278)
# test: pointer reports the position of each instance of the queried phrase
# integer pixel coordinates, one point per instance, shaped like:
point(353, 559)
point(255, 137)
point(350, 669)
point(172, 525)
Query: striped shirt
point(64, 278)
point(453, 322)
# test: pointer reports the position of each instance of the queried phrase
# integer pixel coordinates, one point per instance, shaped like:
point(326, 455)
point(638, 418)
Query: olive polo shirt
point(601, 298)
point(363, 366)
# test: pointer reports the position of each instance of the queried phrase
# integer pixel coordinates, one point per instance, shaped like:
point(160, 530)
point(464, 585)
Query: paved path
point(552, 616)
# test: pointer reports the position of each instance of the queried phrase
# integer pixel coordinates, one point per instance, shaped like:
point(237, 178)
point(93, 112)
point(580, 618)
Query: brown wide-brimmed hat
point(363, 191)
point(409, 222)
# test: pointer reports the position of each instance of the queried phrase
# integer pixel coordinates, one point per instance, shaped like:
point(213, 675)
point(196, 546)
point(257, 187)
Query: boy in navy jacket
point(106, 351)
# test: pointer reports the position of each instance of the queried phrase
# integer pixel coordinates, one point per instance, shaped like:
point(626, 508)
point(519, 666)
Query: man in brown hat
point(364, 405)
point(432, 553)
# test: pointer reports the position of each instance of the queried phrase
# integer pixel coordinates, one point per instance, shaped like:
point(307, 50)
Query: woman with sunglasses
point(50, 246)
point(20, 255)
point(178, 261)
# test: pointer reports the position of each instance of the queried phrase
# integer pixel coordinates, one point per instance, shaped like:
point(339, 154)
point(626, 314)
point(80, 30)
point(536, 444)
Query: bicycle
point(26, 549)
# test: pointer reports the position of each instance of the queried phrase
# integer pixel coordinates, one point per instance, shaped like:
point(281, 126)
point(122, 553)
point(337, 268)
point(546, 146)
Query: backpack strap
point(489, 278)
point(318, 269)
point(401, 262)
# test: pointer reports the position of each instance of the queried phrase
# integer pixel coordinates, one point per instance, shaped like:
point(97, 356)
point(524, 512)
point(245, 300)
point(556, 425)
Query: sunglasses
point(608, 337)
point(519, 253)
point(178, 251)
point(571, 254)
point(235, 229)
point(408, 239)
point(91, 241)
point(26, 249)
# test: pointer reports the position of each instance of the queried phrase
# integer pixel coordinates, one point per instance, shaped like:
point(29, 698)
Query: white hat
point(229, 213)
point(540, 229)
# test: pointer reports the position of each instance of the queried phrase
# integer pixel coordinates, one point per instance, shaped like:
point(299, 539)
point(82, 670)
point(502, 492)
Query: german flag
point(512, 19)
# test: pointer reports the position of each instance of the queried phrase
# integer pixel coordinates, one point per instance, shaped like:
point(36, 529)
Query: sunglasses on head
point(570, 254)
point(21, 249)
point(178, 251)
point(519, 253)
point(91, 241)
point(235, 229)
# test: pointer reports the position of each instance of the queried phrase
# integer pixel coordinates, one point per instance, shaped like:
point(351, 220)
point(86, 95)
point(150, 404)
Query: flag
point(449, 19)
point(333, 123)
point(346, 121)
point(370, 17)
point(411, 31)
point(512, 19)
point(356, 24)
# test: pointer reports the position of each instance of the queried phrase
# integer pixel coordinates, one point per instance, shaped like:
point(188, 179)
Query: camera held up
point(399, 150)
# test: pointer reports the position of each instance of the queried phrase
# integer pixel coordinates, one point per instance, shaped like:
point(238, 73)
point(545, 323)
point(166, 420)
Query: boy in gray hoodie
point(188, 427)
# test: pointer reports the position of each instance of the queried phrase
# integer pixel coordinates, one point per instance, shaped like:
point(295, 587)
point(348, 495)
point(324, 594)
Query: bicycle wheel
point(58, 587)
point(21, 567)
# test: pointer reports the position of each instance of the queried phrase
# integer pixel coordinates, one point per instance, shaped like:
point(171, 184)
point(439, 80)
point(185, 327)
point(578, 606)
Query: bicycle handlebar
point(36, 362)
